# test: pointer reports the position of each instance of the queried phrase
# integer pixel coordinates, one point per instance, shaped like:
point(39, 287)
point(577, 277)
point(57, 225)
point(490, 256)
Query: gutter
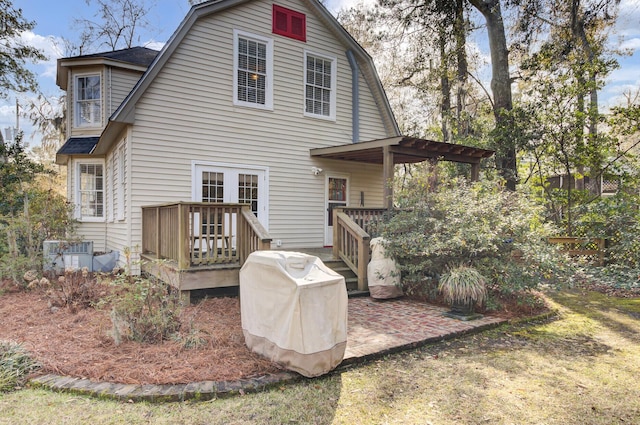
point(355, 96)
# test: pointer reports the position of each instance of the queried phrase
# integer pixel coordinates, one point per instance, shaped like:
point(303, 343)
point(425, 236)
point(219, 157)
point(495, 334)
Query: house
point(252, 125)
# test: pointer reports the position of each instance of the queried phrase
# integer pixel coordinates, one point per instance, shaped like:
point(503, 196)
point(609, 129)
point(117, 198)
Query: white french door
point(336, 195)
point(231, 184)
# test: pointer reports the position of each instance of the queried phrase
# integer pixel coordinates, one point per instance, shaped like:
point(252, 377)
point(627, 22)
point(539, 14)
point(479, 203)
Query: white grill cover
point(294, 311)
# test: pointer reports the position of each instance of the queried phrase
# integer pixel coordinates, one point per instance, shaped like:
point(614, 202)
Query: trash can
point(294, 311)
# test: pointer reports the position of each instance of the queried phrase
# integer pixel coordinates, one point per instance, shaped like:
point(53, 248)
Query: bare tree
point(115, 24)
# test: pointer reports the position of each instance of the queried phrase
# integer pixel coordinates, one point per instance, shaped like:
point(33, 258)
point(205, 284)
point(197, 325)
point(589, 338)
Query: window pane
point(248, 191)
point(337, 189)
point(327, 81)
point(318, 89)
point(212, 187)
point(91, 190)
point(88, 106)
point(252, 67)
point(262, 66)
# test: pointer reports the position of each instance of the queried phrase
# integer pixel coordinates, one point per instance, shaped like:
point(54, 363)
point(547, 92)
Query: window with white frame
point(88, 107)
point(253, 70)
point(90, 191)
point(320, 86)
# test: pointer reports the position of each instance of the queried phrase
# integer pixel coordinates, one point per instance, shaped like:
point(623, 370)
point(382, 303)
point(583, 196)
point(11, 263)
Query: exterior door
point(219, 184)
point(232, 185)
point(337, 194)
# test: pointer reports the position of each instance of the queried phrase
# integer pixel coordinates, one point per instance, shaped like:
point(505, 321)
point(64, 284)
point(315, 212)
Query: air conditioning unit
point(61, 255)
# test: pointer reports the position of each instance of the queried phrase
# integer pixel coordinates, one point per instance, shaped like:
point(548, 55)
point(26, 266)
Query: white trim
point(263, 188)
point(78, 205)
point(76, 111)
point(121, 179)
point(268, 103)
point(328, 234)
point(334, 80)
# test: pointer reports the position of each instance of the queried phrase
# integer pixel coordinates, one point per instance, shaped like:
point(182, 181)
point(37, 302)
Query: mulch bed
point(78, 344)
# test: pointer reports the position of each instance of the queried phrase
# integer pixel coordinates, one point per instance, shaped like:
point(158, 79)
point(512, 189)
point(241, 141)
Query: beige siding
point(117, 228)
point(187, 114)
point(371, 125)
point(119, 83)
point(93, 232)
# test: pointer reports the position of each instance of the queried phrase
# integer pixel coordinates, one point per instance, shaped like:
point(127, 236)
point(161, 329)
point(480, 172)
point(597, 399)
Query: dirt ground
point(78, 344)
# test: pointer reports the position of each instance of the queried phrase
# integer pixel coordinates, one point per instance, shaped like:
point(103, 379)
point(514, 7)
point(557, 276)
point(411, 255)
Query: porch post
point(387, 175)
point(475, 172)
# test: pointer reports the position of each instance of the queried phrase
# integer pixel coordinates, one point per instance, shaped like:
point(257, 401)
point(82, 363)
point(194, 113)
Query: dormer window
point(88, 107)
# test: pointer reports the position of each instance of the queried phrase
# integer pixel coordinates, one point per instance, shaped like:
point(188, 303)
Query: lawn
point(581, 368)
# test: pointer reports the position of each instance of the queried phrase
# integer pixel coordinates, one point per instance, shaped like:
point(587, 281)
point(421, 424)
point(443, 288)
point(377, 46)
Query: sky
point(53, 23)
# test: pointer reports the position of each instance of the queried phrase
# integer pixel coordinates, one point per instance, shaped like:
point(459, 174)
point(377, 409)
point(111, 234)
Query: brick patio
point(376, 327)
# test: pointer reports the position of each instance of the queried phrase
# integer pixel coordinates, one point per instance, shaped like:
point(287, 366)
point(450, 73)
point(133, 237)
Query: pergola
point(404, 150)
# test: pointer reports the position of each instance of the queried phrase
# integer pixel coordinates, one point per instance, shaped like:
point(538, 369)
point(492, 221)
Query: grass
point(581, 368)
point(15, 365)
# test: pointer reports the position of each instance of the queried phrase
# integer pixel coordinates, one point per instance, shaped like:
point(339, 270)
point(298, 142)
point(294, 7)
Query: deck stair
point(339, 266)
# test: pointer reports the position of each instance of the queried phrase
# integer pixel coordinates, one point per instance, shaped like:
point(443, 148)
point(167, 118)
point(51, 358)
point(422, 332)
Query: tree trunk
point(501, 88)
point(462, 68)
point(445, 88)
point(589, 57)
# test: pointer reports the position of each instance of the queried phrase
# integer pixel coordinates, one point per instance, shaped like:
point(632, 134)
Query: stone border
point(199, 391)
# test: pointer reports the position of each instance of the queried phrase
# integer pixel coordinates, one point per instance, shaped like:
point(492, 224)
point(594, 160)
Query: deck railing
point(367, 218)
point(201, 234)
point(351, 240)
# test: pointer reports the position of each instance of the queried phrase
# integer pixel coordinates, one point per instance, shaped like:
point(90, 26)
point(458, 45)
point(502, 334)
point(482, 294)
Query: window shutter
point(289, 23)
point(297, 26)
point(280, 21)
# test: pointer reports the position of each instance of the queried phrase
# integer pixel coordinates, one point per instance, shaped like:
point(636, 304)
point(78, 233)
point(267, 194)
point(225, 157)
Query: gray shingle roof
point(78, 145)
point(135, 55)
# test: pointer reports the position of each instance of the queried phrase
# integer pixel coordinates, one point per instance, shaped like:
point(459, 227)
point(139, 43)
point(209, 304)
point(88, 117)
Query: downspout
point(355, 96)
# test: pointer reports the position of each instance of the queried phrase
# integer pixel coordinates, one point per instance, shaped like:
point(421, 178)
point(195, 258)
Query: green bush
point(616, 219)
point(15, 365)
point(45, 215)
point(500, 233)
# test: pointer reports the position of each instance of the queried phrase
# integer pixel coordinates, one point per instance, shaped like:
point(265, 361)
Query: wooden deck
point(203, 245)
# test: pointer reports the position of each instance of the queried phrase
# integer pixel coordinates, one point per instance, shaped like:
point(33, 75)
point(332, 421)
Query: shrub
point(462, 284)
point(616, 219)
point(15, 365)
point(45, 215)
point(502, 234)
point(143, 308)
point(74, 289)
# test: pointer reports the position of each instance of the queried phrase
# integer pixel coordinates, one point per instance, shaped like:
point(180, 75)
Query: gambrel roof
point(125, 114)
